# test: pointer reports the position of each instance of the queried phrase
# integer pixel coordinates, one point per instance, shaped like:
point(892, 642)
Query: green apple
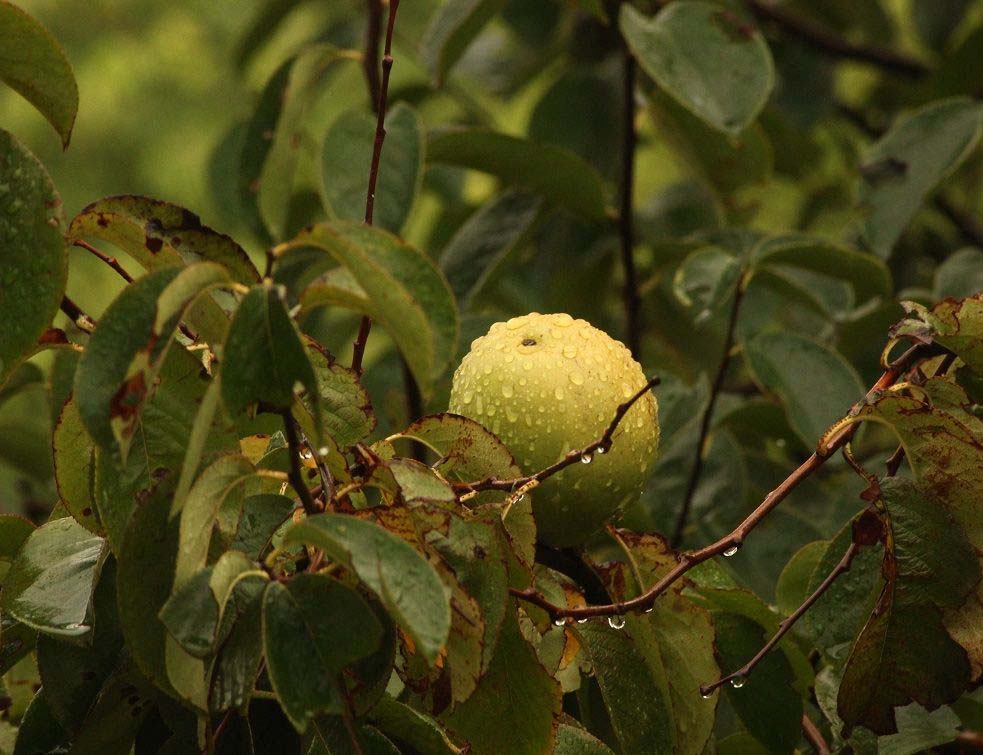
point(549, 384)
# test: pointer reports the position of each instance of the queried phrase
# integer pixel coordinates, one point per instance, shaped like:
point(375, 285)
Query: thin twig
point(296, 474)
point(380, 138)
point(706, 419)
point(81, 320)
point(814, 736)
point(111, 261)
point(826, 40)
point(731, 542)
point(373, 39)
point(121, 271)
point(601, 445)
point(626, 231)
point(740, 675)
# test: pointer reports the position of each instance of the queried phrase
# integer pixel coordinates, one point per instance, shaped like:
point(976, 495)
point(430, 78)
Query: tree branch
point(840, 435)
point(296, 474)
point(814, 736)
point(373, 38)
point(626, 230)
point(600, 446)
point(74, 312)
point(379, 103)
point(739, 676)
point(824, 39)
point(705, 420)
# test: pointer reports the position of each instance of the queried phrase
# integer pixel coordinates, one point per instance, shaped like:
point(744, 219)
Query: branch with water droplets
point(739, 677)
point(839, 435)
point(584, 455)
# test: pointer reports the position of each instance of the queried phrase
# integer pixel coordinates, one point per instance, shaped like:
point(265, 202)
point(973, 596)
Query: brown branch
point(825, 40)
point(731, 542)
point(718, 382)
point(739, 676)
point(373, 39)
point(296, 474)
point(600, 446)
point(121, 271)
point(814, 736)
point(111, 261)
point(626, 231)
point(380, 136)
point(81, 320)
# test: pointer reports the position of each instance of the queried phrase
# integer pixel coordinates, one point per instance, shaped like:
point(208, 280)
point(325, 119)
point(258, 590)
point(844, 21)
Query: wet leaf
point(957, 325)
point(345, 406)
point(75, 465)
point(712, 62)
point(33, 260)
point(49, 584)
point(267, 368)
point(406, 724)
point(33, 64)
point(399, 576)
point(516, 705)
point(313, 627)
point(396, 285)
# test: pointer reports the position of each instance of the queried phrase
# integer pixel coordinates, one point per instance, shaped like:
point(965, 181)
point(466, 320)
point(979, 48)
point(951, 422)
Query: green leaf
point(572, 740)
point(867, 275)
point(724, 165)
point(347, 156)
point(313, 627)
point(705, 280)
point(261, 516)
point(200, 510)
point(634, 685)
point(33, 64)
point(118, 371)
point(408, 725)
point(163, 431)
point(713, 63)
point(904, 653)
point(281, 156)
point(957, 325)
point(49, 584)
point(466, 449)
point(160, 234)
point(345, 406)
point(234, 671)
point(960, 275)
point(111, 727)
point(903, 166)
point(144, 578)
point(396, 285)
point(919, 730)
point(74, 465)
point(515, 706)
point(815, 384)
point(108, 406)
point(73, 675)
point(264, 356)
point(673, 645)
point(39, 730)
point(399, 576)
point(33, 260)
point(486, 239)
point(14, 530)
point(769, 707)
point(553, 172)
point(452, 27)
point(835, 619)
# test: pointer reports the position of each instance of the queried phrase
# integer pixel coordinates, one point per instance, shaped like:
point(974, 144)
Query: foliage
point(234, 531)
